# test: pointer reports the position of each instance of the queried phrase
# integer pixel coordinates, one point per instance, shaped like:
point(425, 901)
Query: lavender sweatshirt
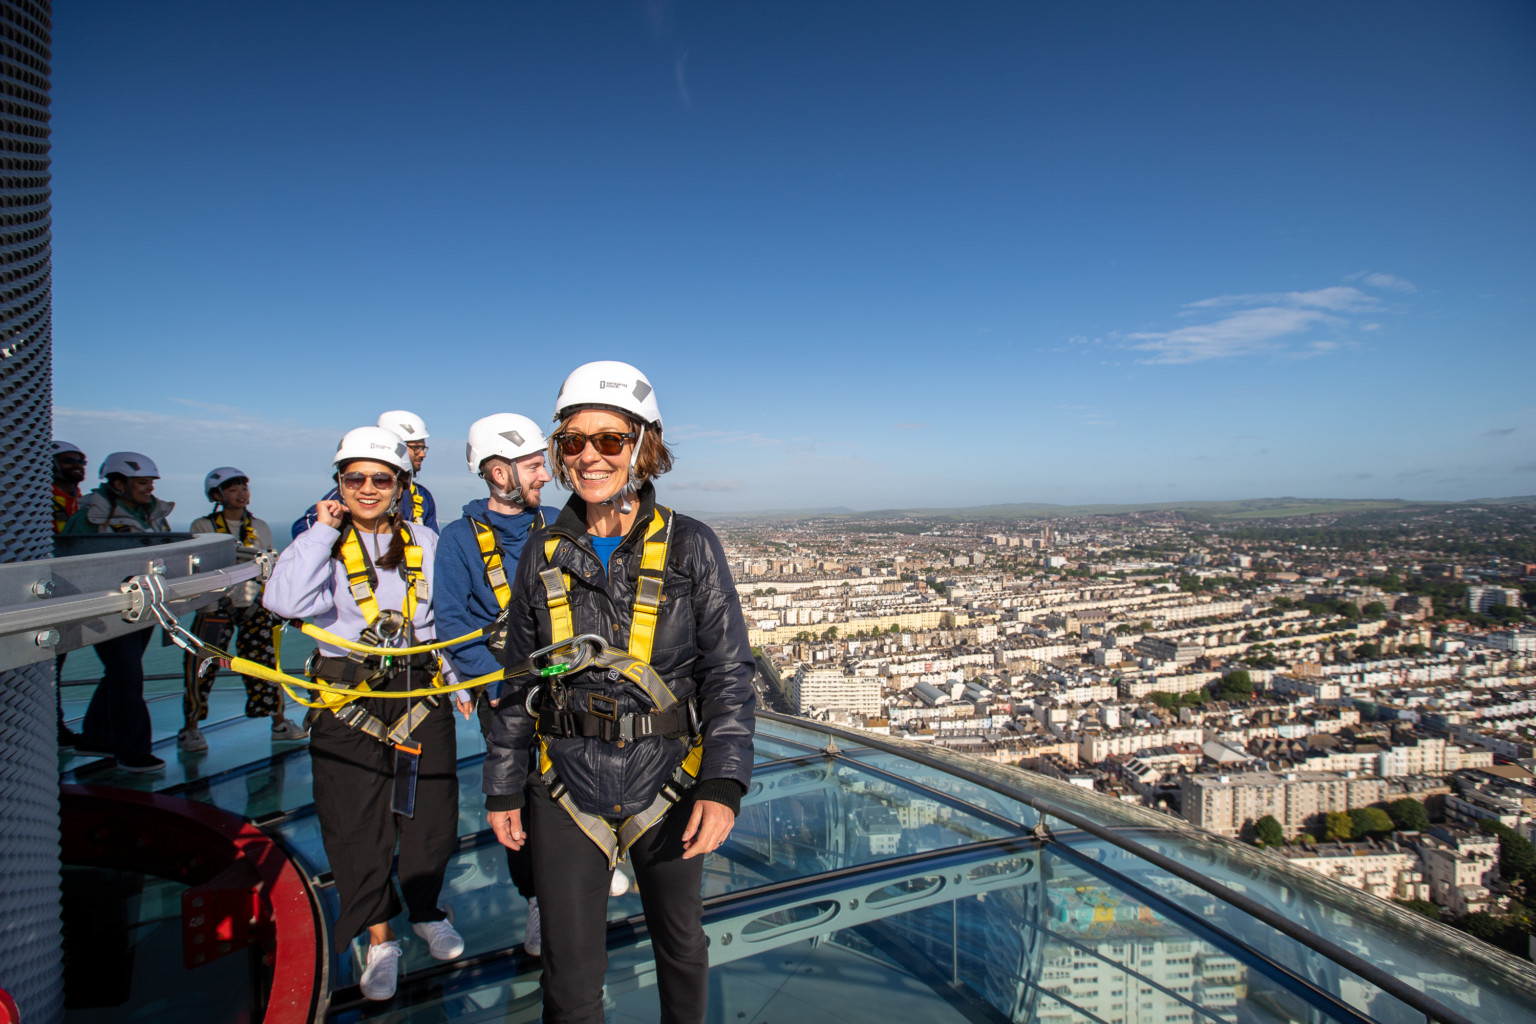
point(307, 583)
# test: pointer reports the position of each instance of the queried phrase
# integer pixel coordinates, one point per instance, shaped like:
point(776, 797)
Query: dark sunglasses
point(606, 443)
point(381, 481)
point(71, 460)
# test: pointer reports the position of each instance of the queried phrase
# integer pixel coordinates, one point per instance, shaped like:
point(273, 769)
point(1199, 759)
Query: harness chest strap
point(418, 504)
point(247, 529)
point(355, 560)
point(648, 590)
point(490, 554)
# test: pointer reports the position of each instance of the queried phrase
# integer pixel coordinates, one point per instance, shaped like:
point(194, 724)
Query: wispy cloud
point(1385, 282)
point(680, 75)
point(1087, 415)
point(1268, 323)
point(692, 433)
point(1501, 431)
point(1250, 332)
point(234, 423)
point(711, 486)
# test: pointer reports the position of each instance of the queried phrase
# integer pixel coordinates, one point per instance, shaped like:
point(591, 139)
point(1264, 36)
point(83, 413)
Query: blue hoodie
point(463, 599)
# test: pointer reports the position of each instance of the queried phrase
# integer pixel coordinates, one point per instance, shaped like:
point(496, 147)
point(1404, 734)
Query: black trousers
point(117, 718)
point(571, 876)
point(519, 862)
point(353, 788)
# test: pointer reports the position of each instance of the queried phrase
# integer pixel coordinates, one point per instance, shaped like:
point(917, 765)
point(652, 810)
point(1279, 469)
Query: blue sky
point(871, 254)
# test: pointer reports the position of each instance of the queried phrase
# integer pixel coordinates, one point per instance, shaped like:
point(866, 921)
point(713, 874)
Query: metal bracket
point(144, 593)
point(1042, 832)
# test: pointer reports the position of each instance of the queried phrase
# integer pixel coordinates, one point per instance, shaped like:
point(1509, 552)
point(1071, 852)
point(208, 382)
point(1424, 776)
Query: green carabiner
point(558, 668)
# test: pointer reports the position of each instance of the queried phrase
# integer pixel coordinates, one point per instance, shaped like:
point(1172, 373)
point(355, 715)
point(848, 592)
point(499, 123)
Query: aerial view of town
point(1351, 685)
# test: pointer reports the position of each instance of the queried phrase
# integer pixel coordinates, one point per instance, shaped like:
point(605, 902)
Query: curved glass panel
point(875, 879)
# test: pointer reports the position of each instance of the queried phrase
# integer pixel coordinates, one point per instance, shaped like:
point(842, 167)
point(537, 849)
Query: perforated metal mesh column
point(30, 952)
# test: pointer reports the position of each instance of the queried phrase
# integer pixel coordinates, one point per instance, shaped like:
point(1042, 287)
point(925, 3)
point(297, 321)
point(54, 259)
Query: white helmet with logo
point(128, 464)
point(506, 434)
point(215, 480)
point(375, 444)
point(613, 384)
point(407, 424)
point(63, 447)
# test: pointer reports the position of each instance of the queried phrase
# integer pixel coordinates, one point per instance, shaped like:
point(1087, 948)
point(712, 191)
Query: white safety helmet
point(128, 464)
point(375, 444)
point(506, 434)
point(60, 447)
point(612, 384)
point(510, 436)
point(407, 424)
point(215, 480)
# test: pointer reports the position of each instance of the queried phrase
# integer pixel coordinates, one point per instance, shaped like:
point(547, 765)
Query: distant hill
point(1213, 511)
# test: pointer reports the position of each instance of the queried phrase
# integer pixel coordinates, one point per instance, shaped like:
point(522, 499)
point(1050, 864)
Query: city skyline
point(874, 256)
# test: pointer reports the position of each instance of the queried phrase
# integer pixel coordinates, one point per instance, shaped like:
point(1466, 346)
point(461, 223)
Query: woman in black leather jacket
point(616, 748)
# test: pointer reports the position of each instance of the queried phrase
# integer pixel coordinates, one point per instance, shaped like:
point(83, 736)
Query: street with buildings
point(1288, 681)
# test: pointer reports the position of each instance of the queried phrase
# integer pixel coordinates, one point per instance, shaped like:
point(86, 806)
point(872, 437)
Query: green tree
point(1269, 831)
point(1369, 821)
point(1375, 610)
point(1166, 701)
point(1408, 814)
point(1337, 827)
point(1517, 857)
point(1424, 907)
point(830, 634)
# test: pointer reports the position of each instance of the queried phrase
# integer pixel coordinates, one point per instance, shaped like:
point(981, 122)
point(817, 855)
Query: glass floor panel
point(867, 880)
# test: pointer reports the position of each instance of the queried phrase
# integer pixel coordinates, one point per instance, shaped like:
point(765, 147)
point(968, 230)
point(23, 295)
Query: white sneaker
point(191, 740)
point(618, 885)
point(284, 730)
point(444, 942)
point(533, 935)
point(382, 972)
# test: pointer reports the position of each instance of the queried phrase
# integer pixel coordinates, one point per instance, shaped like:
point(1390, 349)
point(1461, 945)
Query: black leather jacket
point(700, 650)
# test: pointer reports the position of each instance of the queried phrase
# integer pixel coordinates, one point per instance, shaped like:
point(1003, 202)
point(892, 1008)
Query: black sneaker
point(143, 764)
point(68, 738)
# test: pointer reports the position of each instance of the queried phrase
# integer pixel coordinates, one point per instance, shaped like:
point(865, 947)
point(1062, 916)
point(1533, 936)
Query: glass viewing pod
point(867, 879)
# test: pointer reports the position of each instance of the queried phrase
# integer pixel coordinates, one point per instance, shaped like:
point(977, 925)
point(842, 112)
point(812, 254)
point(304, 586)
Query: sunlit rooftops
point(871, 880)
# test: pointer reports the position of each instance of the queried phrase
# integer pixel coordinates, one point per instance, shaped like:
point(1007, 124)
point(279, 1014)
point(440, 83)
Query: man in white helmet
point(229, 488)
point(117, 721)
point(411, 429)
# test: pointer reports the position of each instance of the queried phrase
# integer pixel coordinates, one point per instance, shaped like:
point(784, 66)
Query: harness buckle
point(603, 706)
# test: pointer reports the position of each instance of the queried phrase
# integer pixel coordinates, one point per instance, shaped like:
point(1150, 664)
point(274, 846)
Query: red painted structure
point(244, 891)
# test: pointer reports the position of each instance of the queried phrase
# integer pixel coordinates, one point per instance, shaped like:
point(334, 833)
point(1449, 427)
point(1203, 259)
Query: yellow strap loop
point(311, 630)
point(490, 554)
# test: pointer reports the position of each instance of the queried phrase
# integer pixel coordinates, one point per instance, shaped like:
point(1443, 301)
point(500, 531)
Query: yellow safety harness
point(249, 538)
point(360, 584)
point(247, 528)
point(418, 504)
point(615, 839)
point(490, 554)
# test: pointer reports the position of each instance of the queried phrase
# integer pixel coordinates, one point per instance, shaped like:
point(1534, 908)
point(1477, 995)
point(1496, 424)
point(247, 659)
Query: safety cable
point(195, 645)
point(316, 633)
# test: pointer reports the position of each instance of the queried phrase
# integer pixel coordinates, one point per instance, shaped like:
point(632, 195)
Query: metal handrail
point(63, 611)
point(1431, 1008)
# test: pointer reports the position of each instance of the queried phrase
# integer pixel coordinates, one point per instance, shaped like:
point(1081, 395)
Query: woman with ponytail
point(364, 573)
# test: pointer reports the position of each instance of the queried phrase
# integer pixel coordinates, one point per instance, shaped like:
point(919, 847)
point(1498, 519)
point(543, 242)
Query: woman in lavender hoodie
point(369, 794)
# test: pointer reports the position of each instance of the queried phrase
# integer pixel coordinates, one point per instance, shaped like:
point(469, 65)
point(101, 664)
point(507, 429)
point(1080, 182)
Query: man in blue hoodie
point(476, 560)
